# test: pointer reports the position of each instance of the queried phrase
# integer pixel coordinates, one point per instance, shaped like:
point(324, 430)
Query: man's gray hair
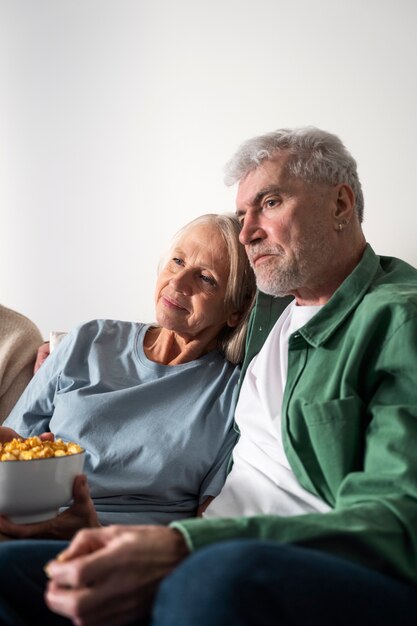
point(316, 157)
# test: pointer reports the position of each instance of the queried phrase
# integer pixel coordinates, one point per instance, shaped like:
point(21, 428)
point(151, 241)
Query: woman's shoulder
point(107, 332)
point(106, 327)
point(219, 368)
point(105, 335)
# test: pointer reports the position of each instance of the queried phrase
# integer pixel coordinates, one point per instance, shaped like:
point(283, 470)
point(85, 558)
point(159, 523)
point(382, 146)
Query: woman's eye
point(178, 261)
point(208, 279)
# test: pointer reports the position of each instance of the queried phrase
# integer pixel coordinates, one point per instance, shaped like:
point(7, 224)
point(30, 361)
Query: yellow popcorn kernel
point(73, 448)
point(35, 448)
point(26, 455)
point(46, 453)
point(8, 457)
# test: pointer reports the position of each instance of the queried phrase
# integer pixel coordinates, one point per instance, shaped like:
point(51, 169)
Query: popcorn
point(35, 448)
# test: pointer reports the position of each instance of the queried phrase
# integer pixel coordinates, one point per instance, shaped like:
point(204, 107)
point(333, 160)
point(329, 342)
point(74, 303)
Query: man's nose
point(182, 282)
point(251, 229)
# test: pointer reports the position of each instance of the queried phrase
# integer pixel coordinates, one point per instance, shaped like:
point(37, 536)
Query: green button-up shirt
point(349, 422)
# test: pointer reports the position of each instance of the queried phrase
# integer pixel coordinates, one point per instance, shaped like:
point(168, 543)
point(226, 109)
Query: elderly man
point(317, 520)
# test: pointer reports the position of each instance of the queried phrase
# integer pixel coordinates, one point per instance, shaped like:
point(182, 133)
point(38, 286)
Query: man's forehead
point(273, 167)
point(267, 176)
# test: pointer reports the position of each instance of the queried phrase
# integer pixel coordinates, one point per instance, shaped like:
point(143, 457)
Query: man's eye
point(178, 261)
point(271, 203)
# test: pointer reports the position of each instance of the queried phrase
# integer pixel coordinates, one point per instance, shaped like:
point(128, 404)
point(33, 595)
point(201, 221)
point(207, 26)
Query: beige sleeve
point(19, 342)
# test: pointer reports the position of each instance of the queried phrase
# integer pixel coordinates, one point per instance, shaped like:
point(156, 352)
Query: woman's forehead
point(205, 244)
point(204, 235)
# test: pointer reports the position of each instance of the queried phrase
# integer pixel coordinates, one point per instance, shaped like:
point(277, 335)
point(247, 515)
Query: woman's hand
point(80, 514)
point(41, 356)
point(7, 434)
point(109, 576)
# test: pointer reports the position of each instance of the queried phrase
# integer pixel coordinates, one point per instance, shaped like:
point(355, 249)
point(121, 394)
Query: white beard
point(282, 275)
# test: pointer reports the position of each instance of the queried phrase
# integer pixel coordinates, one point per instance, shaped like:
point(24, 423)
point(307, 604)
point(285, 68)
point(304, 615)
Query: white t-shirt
point(261, 480)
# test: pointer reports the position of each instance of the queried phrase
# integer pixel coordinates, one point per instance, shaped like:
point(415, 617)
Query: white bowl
point(33, 491)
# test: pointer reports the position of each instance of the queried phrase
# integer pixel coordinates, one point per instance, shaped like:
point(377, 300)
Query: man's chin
point(272, 290)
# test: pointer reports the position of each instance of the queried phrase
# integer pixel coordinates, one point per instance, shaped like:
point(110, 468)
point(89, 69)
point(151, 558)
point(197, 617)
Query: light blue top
point(157, 437)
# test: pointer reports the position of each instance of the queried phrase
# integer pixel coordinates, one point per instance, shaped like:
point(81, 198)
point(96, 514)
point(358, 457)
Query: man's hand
point(109, 576)
point(41, 356)
point(80, 514)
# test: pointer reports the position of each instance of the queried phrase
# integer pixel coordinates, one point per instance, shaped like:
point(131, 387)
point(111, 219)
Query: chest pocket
point(335, 431)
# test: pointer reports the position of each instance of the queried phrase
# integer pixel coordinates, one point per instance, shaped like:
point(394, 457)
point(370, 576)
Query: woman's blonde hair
point(241, 287)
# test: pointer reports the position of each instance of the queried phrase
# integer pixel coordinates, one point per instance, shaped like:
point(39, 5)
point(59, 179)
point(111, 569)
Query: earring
point(341, 225)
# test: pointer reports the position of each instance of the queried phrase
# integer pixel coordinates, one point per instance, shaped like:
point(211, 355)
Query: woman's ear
point(233, 319)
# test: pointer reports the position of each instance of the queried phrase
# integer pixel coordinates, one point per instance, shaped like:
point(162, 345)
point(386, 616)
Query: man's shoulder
point(396, 270)
point(394, 283)
point(393, 292)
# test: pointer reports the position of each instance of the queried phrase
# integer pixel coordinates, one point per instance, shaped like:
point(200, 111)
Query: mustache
point(258, 249)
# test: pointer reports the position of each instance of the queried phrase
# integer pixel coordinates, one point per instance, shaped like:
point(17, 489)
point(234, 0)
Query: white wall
point(116, 118)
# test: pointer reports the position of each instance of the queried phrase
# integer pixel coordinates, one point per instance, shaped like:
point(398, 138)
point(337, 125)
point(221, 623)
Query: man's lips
point(260, 258)
point(173, 304)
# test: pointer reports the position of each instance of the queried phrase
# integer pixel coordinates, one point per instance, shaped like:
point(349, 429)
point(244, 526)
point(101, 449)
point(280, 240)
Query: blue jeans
point(264, 583)
point(22, 583)
point(235, 583)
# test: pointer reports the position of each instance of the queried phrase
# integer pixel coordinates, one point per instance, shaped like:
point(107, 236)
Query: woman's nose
point(181, 282)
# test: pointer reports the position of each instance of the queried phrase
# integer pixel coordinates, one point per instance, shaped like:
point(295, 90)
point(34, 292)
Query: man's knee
point(219, 584)
point(264, 582)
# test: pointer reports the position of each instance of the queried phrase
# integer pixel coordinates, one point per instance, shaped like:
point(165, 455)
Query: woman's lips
point(172, 304)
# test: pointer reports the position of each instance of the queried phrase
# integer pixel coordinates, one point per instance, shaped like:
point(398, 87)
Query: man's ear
point(345, 203)
point(233, 319)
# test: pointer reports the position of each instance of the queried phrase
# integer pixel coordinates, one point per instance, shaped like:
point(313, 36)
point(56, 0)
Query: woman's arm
point(203, 506)
point(33, 412)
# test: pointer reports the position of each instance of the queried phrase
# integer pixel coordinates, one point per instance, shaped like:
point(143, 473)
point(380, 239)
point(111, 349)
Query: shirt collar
point(344, 300)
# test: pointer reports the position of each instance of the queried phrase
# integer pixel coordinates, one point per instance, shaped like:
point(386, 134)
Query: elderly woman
point(152, 404)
